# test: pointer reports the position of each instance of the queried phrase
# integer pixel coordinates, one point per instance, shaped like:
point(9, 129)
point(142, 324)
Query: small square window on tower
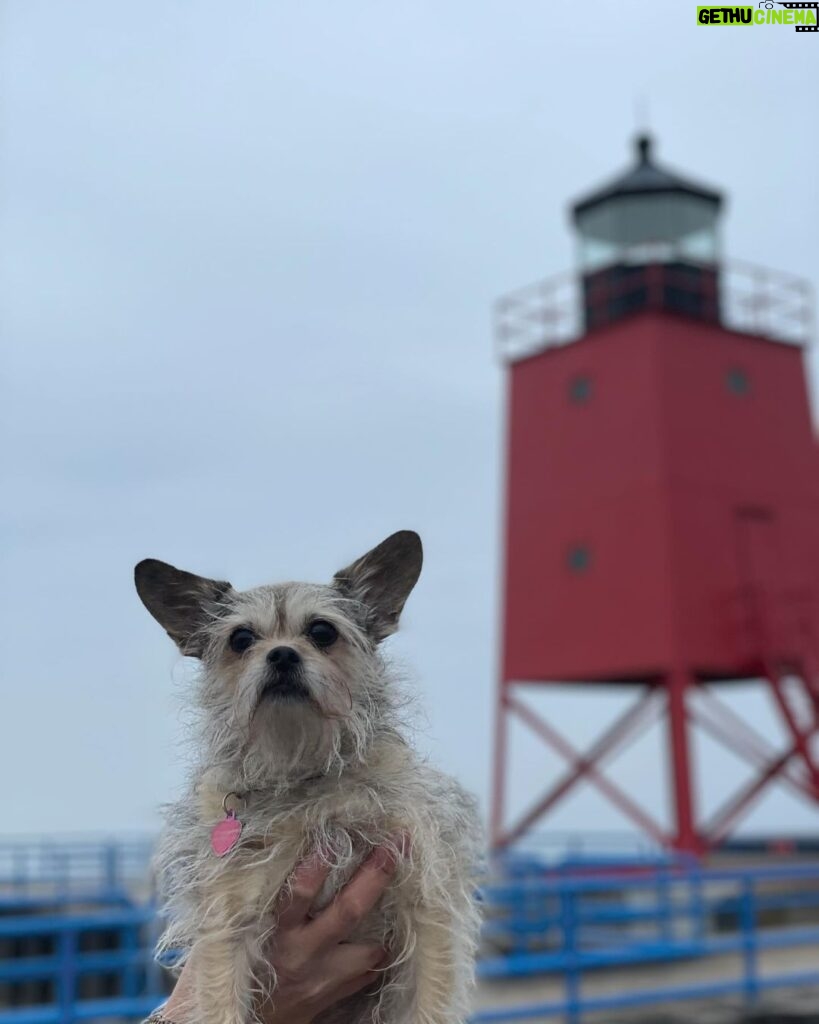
point(580, 388)
point(578, 558)
point(736, 380)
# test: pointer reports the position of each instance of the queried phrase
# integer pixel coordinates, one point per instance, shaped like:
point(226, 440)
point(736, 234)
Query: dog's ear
point(179, 601)
point(382, 580)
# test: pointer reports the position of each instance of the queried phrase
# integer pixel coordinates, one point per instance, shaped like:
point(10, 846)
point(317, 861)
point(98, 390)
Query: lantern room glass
point(662, 227)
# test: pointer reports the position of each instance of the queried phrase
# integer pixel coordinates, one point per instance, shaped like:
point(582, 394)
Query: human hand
point(315, 967)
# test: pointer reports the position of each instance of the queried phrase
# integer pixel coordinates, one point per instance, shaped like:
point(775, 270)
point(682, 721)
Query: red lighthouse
point(662, 501)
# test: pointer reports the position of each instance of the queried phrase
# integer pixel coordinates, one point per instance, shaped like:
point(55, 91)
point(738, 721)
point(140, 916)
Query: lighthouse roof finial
point(644, 146)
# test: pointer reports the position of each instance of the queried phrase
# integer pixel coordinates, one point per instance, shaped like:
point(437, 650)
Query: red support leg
point(797, 766)
point(685, 833)
point(810, 675)
point(498, 810)
point(801, 739)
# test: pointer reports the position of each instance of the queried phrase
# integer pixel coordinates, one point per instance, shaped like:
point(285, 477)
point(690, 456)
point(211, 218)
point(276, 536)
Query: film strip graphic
point(810, 5)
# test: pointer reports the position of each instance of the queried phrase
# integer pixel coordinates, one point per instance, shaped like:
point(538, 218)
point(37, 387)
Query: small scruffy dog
point(300, 750)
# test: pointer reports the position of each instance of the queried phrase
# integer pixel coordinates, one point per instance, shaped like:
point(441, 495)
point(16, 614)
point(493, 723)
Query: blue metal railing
point(574, 925)
point(139, 979)
point(570, 920)
point(67, 867)
point(49, 930)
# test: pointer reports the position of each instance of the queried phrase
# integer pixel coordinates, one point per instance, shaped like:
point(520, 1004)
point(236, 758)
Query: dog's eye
point(241, 639)
point(322, 633)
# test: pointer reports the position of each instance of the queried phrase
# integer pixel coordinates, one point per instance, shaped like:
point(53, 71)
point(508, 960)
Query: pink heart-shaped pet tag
point(225, 835)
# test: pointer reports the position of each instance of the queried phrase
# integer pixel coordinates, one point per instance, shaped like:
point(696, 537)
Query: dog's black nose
point(284, 658)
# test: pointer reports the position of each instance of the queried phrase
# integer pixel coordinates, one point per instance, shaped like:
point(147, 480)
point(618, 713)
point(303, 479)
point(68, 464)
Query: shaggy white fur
point(324, 768)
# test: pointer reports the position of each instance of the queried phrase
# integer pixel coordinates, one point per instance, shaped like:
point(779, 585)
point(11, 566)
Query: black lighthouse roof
point(644, 177)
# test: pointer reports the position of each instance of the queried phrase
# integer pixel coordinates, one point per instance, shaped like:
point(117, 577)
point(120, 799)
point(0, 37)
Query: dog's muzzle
point(284, 676)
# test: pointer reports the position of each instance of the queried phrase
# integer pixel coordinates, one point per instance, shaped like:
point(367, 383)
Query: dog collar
point(226, 833)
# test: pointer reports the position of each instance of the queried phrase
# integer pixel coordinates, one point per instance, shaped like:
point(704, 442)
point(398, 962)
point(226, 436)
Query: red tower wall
point(742, 475)
point(681, 490)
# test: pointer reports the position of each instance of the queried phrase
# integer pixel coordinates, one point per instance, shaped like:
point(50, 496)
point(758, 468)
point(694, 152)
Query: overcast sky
point(248, 255)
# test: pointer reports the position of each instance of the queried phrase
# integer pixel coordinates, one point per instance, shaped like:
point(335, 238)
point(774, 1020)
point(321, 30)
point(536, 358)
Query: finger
point(355, 967)
point(345, 969)
point(356, 985)
point(302, 888)
point(356, 899)
point(350, 959)
point(181, 1000)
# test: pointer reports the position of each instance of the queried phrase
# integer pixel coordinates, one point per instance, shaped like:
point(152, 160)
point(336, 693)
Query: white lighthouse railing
point(751, 299)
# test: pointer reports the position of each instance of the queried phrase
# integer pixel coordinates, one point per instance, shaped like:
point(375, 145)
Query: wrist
point(286, 1017)
point(268, 1015)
